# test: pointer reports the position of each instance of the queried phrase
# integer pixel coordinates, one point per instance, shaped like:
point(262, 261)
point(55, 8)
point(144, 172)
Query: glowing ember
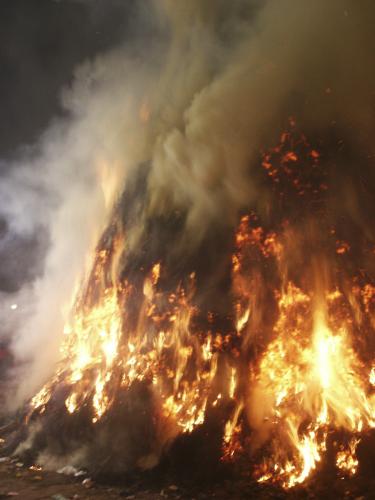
point(291, 363)
point(346, 459)
point(312, 381)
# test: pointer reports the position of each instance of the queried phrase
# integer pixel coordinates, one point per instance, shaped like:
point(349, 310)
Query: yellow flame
point(314, 380)
point(346, 459)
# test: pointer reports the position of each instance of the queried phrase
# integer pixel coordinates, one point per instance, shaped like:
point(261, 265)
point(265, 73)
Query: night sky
point(41, 43)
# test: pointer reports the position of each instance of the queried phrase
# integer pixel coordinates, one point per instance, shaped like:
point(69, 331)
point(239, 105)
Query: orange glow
point(346, 459)
point(313, 381)
point(286, 363)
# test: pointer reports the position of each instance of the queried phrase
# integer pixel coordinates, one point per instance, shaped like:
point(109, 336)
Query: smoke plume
point(193, 104)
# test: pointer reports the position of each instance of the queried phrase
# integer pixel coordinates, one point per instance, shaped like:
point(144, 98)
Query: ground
point(24, 483)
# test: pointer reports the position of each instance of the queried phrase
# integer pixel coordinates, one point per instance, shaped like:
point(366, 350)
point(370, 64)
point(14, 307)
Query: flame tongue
point(314, 381)
point(293, 361)
point(101, 354)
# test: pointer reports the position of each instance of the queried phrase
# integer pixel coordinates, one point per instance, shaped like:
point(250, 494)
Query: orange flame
point(290, 364)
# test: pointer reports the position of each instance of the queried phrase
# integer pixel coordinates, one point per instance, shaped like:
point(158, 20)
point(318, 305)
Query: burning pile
point(284, 368)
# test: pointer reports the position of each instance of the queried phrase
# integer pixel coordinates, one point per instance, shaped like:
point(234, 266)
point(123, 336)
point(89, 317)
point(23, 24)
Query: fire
point(314, 382)
point(291, 370)
point(95, 362)
point(232, 431)
point(346, 459)
point(92, 343)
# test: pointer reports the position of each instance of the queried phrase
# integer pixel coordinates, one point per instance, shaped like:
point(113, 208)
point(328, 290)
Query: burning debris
point(229, 303)
point(285, 372)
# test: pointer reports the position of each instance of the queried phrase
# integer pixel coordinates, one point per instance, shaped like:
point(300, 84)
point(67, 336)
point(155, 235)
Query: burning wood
point(223, 321)
point(287, 373)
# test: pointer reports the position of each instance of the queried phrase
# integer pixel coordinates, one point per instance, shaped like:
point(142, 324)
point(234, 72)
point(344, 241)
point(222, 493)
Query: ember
point(221, 305)
point(287, 373)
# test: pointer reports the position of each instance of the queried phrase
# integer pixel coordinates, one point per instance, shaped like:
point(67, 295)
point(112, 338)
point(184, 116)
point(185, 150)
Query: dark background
point(41, 43)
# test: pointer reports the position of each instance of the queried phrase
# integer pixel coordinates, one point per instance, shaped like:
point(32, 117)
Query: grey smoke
point(218, 83)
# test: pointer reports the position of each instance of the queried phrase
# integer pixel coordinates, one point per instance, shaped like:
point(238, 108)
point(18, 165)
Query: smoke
point(196, 102)
point(290, 58)
point(67, 191)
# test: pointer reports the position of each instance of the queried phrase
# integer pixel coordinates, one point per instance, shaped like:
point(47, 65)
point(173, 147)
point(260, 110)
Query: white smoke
point(199, 104)
point(68, 189)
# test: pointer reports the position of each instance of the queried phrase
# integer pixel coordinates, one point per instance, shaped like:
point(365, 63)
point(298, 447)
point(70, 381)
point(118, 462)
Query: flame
point(92, 346)
point(233, 382)
point(293, 364)
point(232, 431)
point(346, 459)
point(314, 381)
